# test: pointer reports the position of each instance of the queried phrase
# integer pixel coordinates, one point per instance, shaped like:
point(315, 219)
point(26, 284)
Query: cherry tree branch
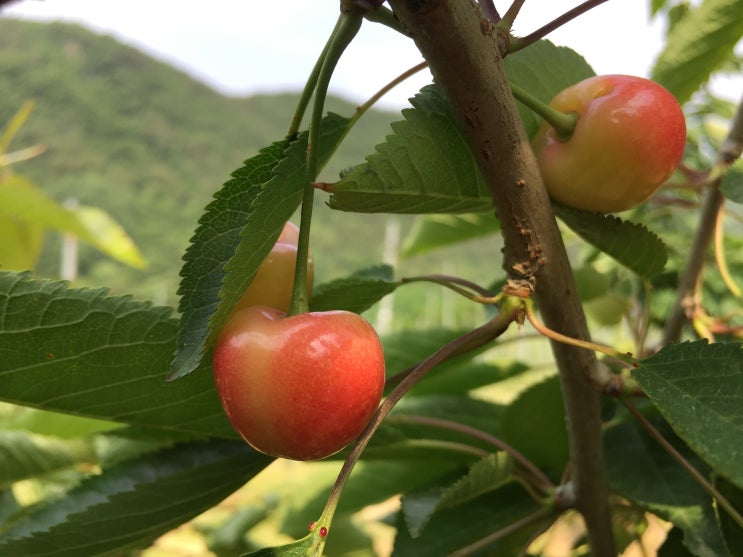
point(464, 51)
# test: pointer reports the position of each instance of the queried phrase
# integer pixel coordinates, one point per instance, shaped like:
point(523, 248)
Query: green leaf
point(80, 352)
point(372, 482)
point(235, 234)
point(134, 502)
point(396, 434)
point(453, 528)
point(355, 293)
point(534, 424)
point(732, 531)
point(629, 243)
point(697, 45)
point(435, 231)
point(212, 245)
point(698, 387)
point(485, 475)
point(640, 470)
point(25, 455)
point(544, 70)
point(425, 166)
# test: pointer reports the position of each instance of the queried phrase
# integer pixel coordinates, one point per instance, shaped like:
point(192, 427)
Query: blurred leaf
point(12, 127)
point(80, 352)
point(631, 244)
point(50, 424)
point(453, 528)
point(109, 236)
point(22, 242)
point(485, 475)
point(135, 502)
point(590, 282)
point(25, 455)
point(544, 70)
point(698, 387)
point(435, 231)
point(697, 45)
point(534, 424)
point(355, 293)
point(235, 234)
point(640, 470)
point(399, 436)
point(20, 199)
point(732, 184)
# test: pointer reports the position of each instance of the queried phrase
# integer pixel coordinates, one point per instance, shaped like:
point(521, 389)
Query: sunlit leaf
point(109, 236)
point(698, 44)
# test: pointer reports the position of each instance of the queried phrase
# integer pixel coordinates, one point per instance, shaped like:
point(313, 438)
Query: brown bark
point(463, 50)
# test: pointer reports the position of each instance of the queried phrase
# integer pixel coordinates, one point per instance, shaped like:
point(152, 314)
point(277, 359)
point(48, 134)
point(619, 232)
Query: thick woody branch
point(464, 50)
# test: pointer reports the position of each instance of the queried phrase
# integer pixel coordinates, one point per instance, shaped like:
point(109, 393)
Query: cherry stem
point(563, 122)
point(503, 532)
point(386, 17)
point(469, 341)
point(517, 43)
point(510, 16)
point(345, 30)
point(600, 377)
point(684, 463)
point(544, 483)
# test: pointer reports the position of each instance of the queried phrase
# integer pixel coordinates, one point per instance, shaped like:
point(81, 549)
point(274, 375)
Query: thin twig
point(502, 533)
point(686, 293)
point(545, 483)
point(522, 42)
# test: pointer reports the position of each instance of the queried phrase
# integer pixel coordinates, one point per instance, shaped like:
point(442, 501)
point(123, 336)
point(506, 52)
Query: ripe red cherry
point(629, 139)
point(273, 283)
point(299, 387)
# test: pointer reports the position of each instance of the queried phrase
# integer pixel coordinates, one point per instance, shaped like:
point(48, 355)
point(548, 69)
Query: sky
point(243, 47)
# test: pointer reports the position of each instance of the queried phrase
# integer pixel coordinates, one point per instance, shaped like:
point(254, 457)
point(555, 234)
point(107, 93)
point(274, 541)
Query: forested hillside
point(151, 145)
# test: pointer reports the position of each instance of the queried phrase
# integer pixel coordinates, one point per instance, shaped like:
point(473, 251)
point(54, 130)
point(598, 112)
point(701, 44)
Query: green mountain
point(150, 145)
point(135, 136)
